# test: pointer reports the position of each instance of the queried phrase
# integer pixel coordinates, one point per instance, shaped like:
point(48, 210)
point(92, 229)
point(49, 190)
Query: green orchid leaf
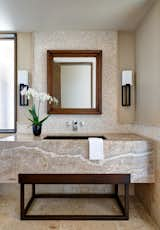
point(43, 119)
point(32, 111)
point(31, 120)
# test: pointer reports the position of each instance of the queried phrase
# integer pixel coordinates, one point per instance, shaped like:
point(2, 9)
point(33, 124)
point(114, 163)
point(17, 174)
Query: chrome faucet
point(75, 125)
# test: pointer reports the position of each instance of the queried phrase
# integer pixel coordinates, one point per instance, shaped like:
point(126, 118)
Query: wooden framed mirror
point(74, 77)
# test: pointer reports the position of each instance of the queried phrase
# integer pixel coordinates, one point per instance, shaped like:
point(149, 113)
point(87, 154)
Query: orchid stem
point(39, 107)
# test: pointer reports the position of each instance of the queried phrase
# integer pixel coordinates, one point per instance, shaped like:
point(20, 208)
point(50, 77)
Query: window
point(8, 70)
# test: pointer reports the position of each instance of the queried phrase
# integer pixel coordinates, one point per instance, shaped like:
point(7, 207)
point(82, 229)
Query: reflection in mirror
point(74, 78)
point(75, 82)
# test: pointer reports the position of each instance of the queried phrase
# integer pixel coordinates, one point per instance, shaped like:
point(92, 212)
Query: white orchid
point(32, 93)
point(41, 97)
point(55, 101)
point(23, 91)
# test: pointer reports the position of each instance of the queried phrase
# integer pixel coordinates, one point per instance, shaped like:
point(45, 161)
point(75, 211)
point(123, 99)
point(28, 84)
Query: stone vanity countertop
point(123, 153)
point(108, 136)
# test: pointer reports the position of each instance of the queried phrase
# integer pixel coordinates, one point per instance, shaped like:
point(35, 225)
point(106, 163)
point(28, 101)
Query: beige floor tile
point(9, 215)
point(75, 206)
point(88, 225)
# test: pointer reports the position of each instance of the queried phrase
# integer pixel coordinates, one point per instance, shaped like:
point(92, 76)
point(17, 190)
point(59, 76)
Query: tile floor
point(9, 215)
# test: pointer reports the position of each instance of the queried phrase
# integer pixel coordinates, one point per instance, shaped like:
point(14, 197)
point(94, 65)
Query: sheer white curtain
point(7, 85)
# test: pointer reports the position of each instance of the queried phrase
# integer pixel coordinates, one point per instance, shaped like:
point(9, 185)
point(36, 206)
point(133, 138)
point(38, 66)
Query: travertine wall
point(148, 68)
point(126, 61)
point(108, 43)
point(148, 101)
point(24, 62)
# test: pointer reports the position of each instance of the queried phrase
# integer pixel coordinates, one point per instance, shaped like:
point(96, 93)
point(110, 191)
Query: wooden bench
point(114, 179)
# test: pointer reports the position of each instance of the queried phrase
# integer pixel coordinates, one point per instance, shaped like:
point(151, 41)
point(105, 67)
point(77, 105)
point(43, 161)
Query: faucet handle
point(81, 123)
point(68, 123)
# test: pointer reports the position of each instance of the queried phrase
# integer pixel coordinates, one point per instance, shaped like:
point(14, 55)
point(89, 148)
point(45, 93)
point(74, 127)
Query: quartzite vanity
point(123, 153)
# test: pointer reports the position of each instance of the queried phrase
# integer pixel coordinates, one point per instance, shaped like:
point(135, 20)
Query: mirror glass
point(74, 82)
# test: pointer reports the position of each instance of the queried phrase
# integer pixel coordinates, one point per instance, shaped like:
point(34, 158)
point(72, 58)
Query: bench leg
point(116, 189)
point(24, 209)
point(124, 208)
point(33, 190)
point(22, 201)
point(126, 200)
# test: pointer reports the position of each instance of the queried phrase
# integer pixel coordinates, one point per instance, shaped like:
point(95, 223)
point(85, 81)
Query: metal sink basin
point(83, 137)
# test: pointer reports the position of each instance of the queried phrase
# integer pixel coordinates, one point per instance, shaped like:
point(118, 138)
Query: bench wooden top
point(74, 178)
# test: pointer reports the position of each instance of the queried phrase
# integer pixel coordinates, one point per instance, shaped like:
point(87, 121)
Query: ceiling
point(46, 15)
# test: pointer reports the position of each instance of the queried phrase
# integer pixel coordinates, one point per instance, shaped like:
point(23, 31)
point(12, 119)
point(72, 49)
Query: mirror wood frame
point(75, 53)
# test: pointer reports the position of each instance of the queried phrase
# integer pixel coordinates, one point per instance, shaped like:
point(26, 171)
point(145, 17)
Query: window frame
point(14, 38)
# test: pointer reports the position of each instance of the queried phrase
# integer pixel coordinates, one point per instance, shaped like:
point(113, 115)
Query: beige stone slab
point(133, 156)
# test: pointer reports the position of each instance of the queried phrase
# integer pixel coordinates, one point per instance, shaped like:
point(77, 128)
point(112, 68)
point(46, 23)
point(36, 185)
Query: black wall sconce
point(127, 76)
point(23, 83)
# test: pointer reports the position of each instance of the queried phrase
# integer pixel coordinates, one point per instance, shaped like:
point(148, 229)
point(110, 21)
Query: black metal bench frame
point(114, 179)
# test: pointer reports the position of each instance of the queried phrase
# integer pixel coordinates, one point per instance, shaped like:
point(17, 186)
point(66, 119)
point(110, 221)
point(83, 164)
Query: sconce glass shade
point(127, 77)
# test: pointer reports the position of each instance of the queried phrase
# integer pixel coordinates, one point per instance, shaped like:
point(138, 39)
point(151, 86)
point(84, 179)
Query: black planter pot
point(37, 129)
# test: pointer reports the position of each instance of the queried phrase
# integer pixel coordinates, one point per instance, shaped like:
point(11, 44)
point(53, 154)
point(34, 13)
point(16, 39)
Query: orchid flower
point(41, 97)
